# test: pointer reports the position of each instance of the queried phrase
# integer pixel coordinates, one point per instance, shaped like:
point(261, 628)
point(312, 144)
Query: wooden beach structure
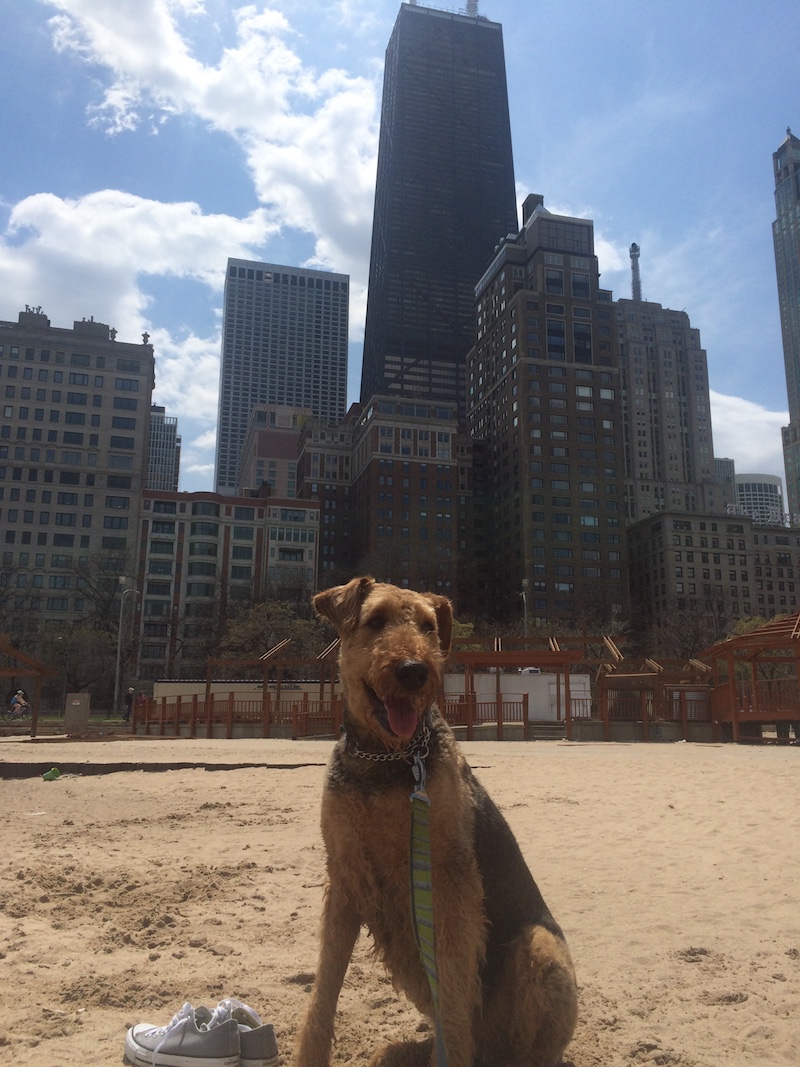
point(755, 680)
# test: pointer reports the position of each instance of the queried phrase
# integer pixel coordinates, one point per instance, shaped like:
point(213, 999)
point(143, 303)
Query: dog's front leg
point(340, 927)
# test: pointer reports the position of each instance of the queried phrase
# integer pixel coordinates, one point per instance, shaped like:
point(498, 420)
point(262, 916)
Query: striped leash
point(422, 890)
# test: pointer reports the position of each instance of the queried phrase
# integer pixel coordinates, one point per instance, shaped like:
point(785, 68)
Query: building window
point(202, 567)
point(205, 507)
point(204, 529)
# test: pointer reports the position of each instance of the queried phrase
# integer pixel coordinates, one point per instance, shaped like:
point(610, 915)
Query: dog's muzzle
point(399, 713)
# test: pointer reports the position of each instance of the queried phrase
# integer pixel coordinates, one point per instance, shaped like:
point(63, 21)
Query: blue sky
point(145, 141)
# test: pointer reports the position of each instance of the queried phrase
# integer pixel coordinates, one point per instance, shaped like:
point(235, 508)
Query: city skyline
point(149, 145)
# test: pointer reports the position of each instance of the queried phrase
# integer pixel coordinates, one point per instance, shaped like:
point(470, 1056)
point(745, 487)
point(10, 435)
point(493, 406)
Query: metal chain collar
point(418, 748)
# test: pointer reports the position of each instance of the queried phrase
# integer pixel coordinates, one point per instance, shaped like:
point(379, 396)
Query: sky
point(143, 142)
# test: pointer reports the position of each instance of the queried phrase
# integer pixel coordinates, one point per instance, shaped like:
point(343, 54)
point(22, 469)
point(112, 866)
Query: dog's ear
point(342, 603)
point(444, 620)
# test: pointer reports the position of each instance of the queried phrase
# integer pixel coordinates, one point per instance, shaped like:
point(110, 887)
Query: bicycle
point(19, 713)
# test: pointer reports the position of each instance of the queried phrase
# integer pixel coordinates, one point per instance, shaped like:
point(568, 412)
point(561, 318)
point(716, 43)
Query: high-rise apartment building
point(726, 471)
point(284, 341)
point(786, 238)
point(412, 495)
point(395, 485)
point(444, 197)
point(164, 454)
point(269, 450)
point(544, 392)
point(692, 575)
point(669, 451)
point(73, 463)
point(324, 474)
point(203, 557)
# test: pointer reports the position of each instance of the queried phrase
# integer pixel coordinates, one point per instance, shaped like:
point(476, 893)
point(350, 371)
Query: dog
point(507, 994)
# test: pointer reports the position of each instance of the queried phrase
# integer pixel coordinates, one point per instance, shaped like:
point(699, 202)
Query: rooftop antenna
point(636, 285)
point(472, 8)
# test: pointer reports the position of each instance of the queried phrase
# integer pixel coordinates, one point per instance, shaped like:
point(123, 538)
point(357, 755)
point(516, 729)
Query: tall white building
point(284, 341)
point(760, 496)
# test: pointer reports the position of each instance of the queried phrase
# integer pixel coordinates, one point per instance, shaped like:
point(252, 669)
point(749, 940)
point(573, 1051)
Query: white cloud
point(310, 141)
point(100, 246)
point(100, 249)
point(748, 433)
point(187, 376)
point(310, 137)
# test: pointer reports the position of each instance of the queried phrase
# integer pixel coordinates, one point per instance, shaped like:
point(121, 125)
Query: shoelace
point(179, 1019)
point(226, 1009)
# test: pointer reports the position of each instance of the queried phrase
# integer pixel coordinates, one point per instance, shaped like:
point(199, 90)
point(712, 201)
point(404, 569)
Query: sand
point(673, 869)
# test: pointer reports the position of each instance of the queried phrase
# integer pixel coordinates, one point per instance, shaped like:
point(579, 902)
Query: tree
point(98, 578)
point(690, 627)
point(252, 632)
point(83, 657)
point(766, 669)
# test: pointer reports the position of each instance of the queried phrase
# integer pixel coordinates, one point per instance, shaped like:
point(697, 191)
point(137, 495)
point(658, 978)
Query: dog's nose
point(412, 673)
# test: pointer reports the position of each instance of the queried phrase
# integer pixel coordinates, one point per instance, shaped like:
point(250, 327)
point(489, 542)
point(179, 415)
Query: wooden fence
point(744, 707)
point(657, 713)
point(298, 716)
point(301, 716)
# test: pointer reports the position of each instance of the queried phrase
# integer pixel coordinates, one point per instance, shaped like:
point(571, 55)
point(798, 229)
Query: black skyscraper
point(444, 197)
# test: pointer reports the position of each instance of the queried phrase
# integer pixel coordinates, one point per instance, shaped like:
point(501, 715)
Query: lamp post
point(63, 652)
point(524, 594)
point(117, 678)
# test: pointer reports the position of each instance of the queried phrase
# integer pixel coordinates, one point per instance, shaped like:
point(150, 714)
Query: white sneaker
point(192, 1038)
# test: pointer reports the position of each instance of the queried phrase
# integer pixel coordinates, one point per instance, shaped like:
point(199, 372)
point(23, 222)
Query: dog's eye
point(375, 622)
point(427, 628)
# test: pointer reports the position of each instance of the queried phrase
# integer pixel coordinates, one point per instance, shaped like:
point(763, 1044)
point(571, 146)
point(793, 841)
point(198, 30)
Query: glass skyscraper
point(284, 341)
point(786, 237)
point(164, 454)
point(444, 198)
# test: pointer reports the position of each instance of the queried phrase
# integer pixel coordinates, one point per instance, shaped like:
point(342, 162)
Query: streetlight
point(117, 678)
point(523, 593)
point(63, 652)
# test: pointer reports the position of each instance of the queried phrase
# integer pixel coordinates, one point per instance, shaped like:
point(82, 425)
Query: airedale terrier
point(506, 984)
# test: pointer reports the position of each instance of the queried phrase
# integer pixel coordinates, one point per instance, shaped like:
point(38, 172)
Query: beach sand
point(673, 869)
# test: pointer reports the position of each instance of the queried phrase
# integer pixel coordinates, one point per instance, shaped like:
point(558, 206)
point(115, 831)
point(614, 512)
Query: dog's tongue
point(402, 716)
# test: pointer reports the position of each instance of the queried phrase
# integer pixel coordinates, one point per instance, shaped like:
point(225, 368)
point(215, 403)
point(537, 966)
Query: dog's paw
point(404, 1054)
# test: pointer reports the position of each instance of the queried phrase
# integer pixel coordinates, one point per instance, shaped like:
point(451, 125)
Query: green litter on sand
point(52, 774)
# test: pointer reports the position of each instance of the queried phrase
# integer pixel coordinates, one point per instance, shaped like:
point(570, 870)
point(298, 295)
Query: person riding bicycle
point(19, 704)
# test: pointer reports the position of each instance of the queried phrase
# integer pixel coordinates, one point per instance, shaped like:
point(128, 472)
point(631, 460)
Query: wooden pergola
point(650, 693)
point(544, 653)
point(17, 664)
point(756, 679)
point(274, 660)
